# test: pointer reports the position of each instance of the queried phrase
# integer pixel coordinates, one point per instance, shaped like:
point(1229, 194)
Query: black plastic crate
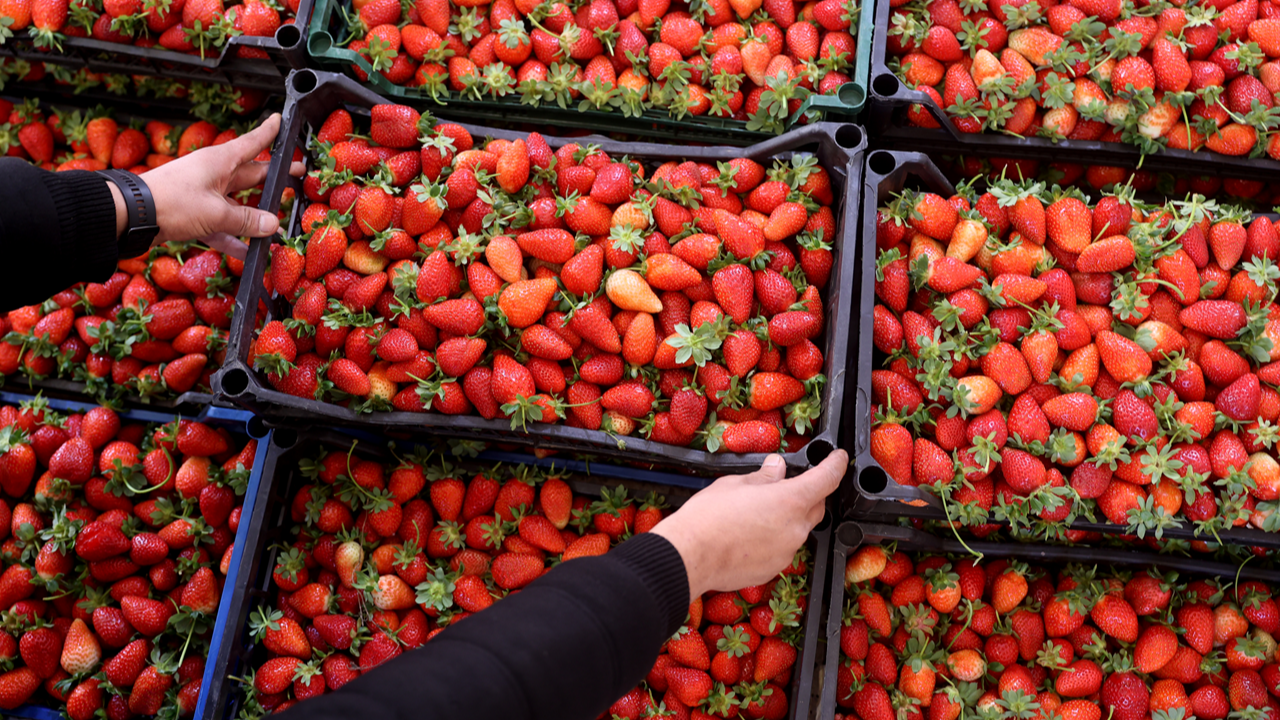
point(312, 95)
point(890, 98)
point(849, 536)
point(325, 47)
point(867, 492)
point(272, 490)
point(285, 51)
point(178, 113)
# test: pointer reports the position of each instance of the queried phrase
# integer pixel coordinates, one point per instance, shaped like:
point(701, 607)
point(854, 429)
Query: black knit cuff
point(87, 219)
point(659, 565)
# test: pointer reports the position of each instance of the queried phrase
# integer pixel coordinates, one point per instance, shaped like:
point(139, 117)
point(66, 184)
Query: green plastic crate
point(843, 106)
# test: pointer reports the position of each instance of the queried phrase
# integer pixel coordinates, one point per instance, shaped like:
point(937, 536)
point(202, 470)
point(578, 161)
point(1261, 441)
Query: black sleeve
point(564, 648)
point(58, 229)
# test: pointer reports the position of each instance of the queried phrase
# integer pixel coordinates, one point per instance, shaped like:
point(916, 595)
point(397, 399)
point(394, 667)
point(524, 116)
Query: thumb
point(773, 469)
point(247, 146)
point(244, 221)
point(822, 480)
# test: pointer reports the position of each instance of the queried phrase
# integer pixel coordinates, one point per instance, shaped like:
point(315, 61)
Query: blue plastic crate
point(235, 421)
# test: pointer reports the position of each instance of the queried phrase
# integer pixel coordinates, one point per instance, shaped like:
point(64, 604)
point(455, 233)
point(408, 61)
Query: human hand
point(742, 530)
point(191, 193)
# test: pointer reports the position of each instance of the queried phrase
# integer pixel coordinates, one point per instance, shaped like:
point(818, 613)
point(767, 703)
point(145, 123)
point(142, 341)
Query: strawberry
point(393, 126)
point(80, 651)
point(17, 686)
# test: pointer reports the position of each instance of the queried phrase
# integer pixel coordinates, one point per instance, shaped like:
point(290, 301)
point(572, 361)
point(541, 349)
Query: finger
point(247, 146)
point(772, 470)
point(227, 245)
point(250, 174)
point(821, 481)
point(246, 221)
point(297, 169)
point(814, 516)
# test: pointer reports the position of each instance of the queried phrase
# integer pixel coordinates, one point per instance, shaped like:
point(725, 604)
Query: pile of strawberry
point(214, 102)
point(156, 328)
point(511, 281)
point(93, 140)
point(116, 536)
point(198, 27)
point(1155, 75)
point(737, 59)
point(1047, 360)
point(944, 638)
point(1107, 177)
point(382, 556)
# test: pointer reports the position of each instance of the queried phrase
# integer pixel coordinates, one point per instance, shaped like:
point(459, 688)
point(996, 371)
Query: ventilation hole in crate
point(304, 81)
point(882, 163)
point(288, 36)
point(235, 382)
point(817, 451)
point(284, 438)
point(872, 480)
point(824, 523)
point(849, 534)
point(848, 136)
point(886, 85)
point(256, 427)
point(851, 94)
point(319, 43)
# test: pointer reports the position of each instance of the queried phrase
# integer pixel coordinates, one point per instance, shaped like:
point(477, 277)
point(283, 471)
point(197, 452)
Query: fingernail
point(773, 461)
point(266, 225)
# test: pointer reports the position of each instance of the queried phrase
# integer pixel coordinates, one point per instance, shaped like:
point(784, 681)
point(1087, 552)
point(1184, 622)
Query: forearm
point(564, 648)
point(58, 229)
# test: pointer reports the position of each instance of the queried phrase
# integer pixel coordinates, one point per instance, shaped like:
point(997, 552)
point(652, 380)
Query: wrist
point(140, 227)
point(122, 211)
point(687, 547)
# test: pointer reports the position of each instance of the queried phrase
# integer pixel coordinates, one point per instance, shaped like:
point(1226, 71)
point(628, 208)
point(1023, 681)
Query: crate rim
point(281, 445)
point(887, 93)
point(238, 383)
point(268, 74)
point(847, 102)
point(852, 534)
point(881, 498)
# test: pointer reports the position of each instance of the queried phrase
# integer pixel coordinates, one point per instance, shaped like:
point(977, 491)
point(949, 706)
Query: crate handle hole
point(235, 381)
point(850, 535)
point(284, 438)
point(886, 85)
point(817, 451)
point(304, 81)
point(873, 481)
point(848, 136)
point(851, 94)
point(824, 523)
point(882, 163)
point(257, 428)
point(319, 43)
point(288, 36)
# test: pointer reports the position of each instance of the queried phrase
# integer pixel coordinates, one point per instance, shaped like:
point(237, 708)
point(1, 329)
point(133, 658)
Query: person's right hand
point(742, 530)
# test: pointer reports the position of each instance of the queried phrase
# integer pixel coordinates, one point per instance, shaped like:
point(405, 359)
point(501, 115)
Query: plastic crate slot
point(886, 85)
point(849, 136)
point(303, 81)
point(882, 163)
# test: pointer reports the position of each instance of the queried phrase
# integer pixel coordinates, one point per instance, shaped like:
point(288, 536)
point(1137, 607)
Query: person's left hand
point(191, 193)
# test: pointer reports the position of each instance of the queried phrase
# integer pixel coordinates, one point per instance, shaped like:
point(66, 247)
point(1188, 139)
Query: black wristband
point(141, 208)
